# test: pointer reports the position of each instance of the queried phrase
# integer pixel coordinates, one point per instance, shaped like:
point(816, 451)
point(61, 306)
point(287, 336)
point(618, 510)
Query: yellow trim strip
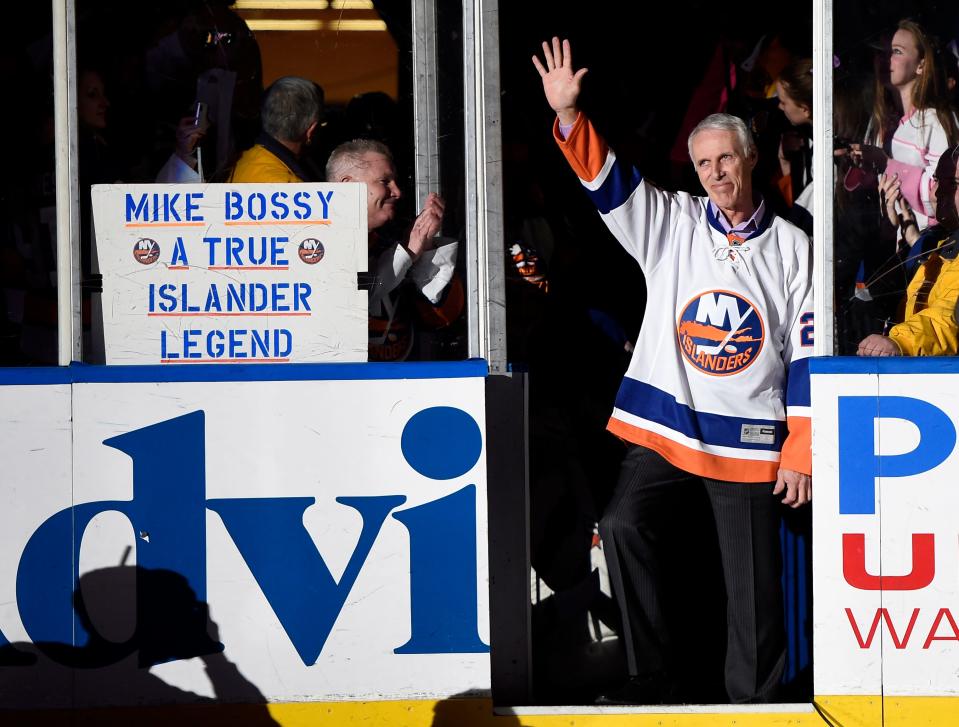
point(840, 711)
point(851, 711)
point(418, 713)
point(920, 711)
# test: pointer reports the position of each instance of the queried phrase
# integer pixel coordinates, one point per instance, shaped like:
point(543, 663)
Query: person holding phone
point(186, 162)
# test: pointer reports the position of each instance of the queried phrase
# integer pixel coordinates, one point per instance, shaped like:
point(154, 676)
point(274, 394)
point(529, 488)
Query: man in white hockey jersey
point(717, 387)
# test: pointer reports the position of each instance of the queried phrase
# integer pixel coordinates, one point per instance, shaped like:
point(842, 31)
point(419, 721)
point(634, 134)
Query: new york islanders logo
point(720, 332)
point(311, 251)
point(146, 251)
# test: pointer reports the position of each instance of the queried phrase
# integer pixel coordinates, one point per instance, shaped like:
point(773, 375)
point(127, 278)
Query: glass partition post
point(69, 330)
point(484, 176)
point(425, 100)
point(823, 177)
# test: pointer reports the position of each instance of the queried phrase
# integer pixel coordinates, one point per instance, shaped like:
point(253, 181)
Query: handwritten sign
point(220, 273)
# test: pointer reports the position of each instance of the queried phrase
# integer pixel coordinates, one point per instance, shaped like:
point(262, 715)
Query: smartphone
point(200, 120)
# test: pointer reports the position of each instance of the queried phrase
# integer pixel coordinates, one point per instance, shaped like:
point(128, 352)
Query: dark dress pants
point(747, 517)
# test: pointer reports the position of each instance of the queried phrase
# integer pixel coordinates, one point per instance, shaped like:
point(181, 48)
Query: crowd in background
point(574, 302)
point(165, 92)
point(140, 74)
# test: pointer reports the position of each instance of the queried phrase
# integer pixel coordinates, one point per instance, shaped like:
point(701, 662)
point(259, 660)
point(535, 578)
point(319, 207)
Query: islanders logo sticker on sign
point(311, 251)
point(146, 251)
point(720, 332)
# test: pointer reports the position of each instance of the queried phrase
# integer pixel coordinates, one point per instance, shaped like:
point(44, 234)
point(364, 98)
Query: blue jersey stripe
point(650, 403)
point(622, 181)
point(797, 385)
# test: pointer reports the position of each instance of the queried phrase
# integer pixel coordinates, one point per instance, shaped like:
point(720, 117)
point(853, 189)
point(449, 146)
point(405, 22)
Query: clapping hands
point(427, 225)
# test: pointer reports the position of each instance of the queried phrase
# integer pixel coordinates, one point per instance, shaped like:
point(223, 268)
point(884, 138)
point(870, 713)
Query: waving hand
point(560, 84)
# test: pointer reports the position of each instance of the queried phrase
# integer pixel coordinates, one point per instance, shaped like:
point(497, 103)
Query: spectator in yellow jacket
point(291, 113)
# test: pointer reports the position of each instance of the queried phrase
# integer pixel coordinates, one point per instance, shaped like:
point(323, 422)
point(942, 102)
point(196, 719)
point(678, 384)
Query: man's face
point(382, 193)
point(946, 191)
point(724, 171)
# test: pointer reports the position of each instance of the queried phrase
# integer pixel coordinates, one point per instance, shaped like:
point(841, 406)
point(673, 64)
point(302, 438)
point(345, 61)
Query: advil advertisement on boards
point(886, 538)
point(250, 273)
point(295, 539)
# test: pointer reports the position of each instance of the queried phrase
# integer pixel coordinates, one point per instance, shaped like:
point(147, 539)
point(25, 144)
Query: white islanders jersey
point(727, 330)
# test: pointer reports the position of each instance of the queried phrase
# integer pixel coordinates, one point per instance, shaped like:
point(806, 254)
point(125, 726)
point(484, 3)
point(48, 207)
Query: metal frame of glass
point(425, 99)
point(486, 289)
point(823, 177)
point(69, 329)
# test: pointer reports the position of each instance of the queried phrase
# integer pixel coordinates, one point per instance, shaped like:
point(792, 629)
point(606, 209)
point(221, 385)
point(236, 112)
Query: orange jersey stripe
point(696, 462)
point(584, 149)
point(797, 449)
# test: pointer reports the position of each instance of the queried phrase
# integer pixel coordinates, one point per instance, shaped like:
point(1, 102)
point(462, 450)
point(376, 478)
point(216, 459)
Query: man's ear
point(311, 130)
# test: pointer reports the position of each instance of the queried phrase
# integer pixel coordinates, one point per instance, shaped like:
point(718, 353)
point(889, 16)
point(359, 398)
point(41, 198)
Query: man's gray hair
point(725, 122)
point(291, 105)
point(350, 154)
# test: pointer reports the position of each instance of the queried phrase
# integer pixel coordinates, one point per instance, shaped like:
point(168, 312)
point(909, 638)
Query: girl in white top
point(927, 127)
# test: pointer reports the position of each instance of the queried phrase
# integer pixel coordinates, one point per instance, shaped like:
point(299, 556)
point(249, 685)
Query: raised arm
point(561, 84)
point(639, 215)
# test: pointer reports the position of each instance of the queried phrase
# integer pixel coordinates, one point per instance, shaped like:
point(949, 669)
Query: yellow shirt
point(930, 327)
point(259, 164)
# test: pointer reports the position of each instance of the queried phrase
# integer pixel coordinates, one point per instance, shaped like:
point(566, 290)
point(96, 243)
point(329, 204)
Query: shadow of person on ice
point(127, 620)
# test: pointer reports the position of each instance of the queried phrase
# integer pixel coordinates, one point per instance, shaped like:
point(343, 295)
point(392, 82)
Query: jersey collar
point(753, 227)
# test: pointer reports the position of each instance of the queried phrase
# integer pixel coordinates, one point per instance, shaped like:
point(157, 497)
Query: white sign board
point(886, 563)
point(334, 530)
point(219, 273)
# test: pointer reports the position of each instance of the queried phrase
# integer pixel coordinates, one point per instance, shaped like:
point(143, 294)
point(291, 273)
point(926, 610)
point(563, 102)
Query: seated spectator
point(292, 112)
point(99, 163)
point(929, 327)
point(794, 89)
point(414, 287)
